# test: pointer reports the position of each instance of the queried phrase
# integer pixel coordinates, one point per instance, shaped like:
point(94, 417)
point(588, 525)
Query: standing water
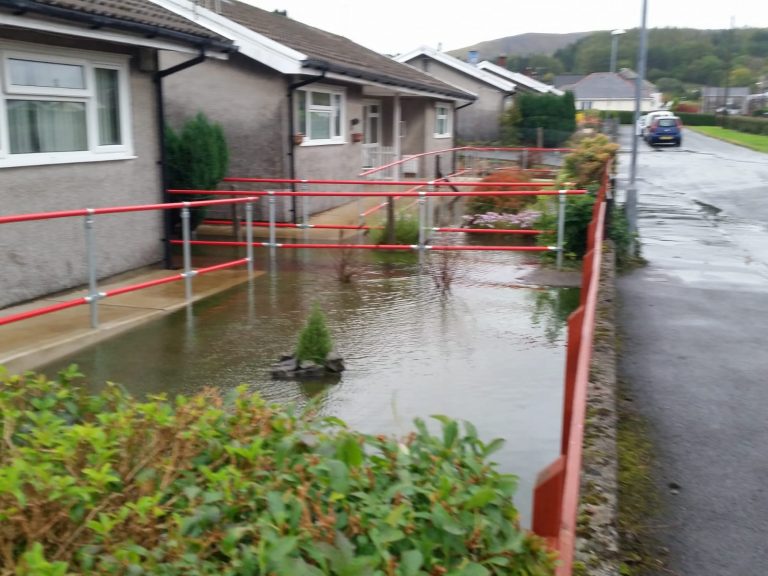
point(483, 349)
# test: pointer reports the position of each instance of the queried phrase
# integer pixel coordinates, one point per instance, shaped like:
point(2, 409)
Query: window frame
point(337, 118)
point(448, 117)
point(90, 61)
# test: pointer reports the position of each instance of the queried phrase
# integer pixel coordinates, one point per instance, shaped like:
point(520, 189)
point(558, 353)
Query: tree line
point(678, 58)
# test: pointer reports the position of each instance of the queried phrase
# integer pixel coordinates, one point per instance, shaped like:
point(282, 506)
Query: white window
point(62, 106)
point(320, 115)
point(443, 121)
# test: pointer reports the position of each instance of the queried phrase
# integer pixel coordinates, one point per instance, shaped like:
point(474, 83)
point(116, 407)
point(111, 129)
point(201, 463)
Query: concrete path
point(695, 352)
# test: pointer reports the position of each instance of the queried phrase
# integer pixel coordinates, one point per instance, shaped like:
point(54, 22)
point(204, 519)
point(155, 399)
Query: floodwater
point(487, 350)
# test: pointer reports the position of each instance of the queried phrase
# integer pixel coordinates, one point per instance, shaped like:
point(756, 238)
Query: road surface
point(695, 351)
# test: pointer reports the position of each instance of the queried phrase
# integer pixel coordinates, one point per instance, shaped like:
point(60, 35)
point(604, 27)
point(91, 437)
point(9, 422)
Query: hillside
point(521, 45)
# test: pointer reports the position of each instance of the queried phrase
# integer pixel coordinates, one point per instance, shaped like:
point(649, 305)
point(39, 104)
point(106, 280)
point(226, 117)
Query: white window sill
point(43, 159)
point(443, 136)
point(322, 143)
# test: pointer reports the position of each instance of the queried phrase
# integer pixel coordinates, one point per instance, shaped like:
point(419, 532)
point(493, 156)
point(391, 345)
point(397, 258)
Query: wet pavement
point(694, 326)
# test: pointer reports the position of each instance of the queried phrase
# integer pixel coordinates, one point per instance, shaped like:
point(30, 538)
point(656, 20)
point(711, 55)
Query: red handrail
point(556, 495)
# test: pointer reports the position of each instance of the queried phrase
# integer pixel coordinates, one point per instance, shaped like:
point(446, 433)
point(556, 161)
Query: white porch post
point(396, 148)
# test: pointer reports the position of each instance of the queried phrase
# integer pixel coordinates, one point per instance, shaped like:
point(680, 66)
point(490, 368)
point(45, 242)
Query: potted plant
point(357, 136)
point(298, 138)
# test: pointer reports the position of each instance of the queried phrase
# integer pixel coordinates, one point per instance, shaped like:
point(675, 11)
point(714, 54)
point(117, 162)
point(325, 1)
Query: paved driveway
point(695, 348)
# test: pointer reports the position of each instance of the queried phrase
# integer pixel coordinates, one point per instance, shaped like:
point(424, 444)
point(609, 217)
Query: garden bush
point(406, 231)
point(104, 484)
point(554, 115)
point(197, 158)
point(746, 124)
point(585, 165)
point(315, 339)
point(500, 204)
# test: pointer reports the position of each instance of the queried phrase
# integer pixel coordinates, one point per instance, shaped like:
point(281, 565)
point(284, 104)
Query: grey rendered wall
point(250, 101)
point(419, 117)
point(479, 121)
point(42, 257)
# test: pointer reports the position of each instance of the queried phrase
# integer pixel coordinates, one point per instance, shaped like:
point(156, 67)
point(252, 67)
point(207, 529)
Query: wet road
point(694, 350)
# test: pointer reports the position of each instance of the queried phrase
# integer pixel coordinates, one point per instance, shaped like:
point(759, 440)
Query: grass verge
point(756, 142)
point(641, 552)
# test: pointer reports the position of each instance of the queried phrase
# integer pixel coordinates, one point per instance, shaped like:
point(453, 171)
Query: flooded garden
point(458, 334)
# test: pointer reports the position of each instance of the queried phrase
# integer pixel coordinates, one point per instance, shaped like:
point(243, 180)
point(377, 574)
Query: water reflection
point(487, 350)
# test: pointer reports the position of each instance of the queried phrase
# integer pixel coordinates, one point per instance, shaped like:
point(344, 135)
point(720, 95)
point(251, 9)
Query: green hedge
point(103, 484)
point(628, 117)
point(745, 124)
point(697, 119)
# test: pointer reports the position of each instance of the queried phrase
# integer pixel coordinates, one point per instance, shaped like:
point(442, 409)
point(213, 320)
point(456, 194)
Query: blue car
point(665, 130)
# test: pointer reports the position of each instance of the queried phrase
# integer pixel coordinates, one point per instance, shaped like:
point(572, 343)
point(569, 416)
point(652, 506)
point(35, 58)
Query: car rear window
point(667, 122)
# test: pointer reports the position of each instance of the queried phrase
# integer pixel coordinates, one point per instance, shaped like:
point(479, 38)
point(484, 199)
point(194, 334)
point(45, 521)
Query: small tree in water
point(315, 339)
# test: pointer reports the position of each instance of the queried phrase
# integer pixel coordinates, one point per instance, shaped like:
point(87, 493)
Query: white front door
point(371, 133)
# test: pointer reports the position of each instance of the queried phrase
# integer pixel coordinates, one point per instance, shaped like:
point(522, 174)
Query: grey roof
point(335, 53)
point(631, 75)
point(566, 79)
point(603, 86)
point(137, 16)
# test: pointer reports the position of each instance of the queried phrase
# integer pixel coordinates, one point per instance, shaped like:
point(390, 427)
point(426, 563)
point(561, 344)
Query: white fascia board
point(518, 78)
point(390, 89)
point(250, 43)
point(457, 64)
point(117, 37)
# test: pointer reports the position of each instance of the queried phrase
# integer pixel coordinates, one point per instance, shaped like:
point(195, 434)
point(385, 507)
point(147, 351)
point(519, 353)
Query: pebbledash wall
point(43, 257)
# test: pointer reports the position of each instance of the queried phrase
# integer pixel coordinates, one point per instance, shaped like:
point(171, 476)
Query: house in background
point(481, 121)
point(716, 99)
point(352, 107)
point(611, 92)
point(79, 129)
point(522, 82)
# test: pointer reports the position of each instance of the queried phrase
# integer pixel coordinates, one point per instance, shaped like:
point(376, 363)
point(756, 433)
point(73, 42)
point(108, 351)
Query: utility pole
point(615, 48)
point(630, 206)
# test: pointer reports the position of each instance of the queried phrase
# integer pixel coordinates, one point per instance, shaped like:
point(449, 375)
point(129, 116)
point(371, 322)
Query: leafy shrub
point(578, 215)
point(105, 484)
point(197, 158)
point(586, 163)
point(555, 115)
point(506, 204)
point(315, 339)
point(406, 231)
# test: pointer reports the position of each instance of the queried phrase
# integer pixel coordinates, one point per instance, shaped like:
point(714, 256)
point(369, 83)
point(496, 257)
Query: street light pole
point(615, 47)
point(630, 206)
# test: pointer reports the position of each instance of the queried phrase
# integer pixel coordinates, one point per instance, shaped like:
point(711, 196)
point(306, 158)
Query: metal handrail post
point(560, 228)
point(186, 236)
point(249, 235)
point(430, 209)
point(422, 217)
point(303, 187)
point(272, 227)
point(90, 255)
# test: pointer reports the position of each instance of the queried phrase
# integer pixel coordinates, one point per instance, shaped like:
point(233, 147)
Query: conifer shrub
point(104, 484)
point(315, 339)
point(197, 158)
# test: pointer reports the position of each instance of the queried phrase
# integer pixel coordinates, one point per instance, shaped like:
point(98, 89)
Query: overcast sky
point(398, 26)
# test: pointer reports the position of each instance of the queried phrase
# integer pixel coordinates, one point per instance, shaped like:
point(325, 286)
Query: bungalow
point(299, 102)
point(482, 120)
point(522, 82)
point(611, 91)
point(79, 127)
point(717, 99)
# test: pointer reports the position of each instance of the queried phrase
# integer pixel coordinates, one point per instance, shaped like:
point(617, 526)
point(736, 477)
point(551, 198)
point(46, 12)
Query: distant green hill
point(520, 45)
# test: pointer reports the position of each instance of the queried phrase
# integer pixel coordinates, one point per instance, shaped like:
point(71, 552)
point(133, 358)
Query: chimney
point(501, 61)
point(472, 56)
